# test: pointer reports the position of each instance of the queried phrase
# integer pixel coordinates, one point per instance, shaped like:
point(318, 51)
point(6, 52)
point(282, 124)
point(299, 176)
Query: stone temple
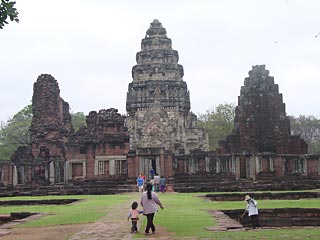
point(159, 131)
point(158, 104)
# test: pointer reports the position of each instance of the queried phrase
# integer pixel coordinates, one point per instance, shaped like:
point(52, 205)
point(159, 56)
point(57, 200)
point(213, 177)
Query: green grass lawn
point(185, 215)
point(91, 208)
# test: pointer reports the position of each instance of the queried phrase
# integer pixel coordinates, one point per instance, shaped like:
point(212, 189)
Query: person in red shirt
point(144, 177)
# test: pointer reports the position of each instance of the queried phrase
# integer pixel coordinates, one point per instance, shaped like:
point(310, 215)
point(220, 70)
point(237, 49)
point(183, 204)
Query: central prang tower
point(158, 102)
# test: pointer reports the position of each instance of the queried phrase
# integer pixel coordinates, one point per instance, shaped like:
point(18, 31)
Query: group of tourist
point(158, 183)
point(150, 202)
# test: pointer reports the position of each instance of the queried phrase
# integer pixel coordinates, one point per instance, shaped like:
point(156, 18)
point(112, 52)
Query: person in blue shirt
point(140, 184)
point(151, 173)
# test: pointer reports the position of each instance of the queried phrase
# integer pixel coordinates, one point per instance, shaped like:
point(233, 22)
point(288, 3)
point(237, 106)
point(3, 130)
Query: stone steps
point(203, 184)
point(224, 222)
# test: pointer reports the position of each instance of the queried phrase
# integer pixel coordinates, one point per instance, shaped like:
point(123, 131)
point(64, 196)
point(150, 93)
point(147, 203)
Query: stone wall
point(104, 140)
point(59, 155)
point(264, 195)
point(203, 171)
point(281, 217)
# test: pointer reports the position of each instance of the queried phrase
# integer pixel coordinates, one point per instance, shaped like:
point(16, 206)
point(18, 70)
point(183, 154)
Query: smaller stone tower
point(51, 122)
point(261, 123)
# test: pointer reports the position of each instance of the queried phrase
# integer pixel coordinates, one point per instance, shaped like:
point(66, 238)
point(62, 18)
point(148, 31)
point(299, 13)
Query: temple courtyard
point(185, 216)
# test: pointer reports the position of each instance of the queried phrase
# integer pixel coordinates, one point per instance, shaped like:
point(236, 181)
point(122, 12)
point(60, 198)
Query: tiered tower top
point(157, 60)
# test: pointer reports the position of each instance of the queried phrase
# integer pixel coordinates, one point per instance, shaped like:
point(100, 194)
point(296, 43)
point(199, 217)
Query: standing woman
point(149, 201)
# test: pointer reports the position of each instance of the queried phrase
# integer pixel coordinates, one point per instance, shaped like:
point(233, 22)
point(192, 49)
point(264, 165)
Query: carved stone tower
point(51, 122)
point(261, 123)
point(158, 101)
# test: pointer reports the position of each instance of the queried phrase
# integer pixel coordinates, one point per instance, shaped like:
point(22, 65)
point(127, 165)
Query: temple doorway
point(243, 167)
point(148, 162)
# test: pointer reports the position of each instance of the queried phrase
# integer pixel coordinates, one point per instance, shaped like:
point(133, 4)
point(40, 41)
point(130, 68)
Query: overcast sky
point(90, 48)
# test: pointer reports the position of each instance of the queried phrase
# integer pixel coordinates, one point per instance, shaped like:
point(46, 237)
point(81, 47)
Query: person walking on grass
point(140, 183)
point(134, 216)
point(156, 182)
point(150, 201)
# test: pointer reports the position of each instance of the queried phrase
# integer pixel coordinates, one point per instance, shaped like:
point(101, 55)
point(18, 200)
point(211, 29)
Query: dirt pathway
point(113, 226)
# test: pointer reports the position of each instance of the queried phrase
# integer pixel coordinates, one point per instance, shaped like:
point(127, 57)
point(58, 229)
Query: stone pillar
point(237, 166)
point(233, 164)
point(169, 164)
point(162, 166)
point(251, 170)
point(46, 171)
point(271, 164)
point(258, 165)
point(158, 165)
point(133, 169)
point(218, 165)
point(96, 163)
point(84, 168)
point(68, 171)
point(51, 172)
point(207, 164)
point(15, 176)
point(305, 167)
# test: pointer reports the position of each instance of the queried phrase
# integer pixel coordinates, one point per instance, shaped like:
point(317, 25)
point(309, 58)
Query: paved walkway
point(224, 222)
point(113, 226)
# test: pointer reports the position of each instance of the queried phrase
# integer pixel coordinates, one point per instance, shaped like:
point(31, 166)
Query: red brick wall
point(312, 167)
point(278, 166)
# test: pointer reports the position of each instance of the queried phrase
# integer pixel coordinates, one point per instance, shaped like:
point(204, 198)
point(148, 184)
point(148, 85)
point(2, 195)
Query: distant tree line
point(308, 127)
point(217, 121)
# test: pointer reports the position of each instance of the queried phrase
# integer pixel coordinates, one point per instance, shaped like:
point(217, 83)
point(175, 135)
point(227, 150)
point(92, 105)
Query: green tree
point(78, 120)
point(15, 132)
point(308, 127)
point(218, 123)
point(7, 9)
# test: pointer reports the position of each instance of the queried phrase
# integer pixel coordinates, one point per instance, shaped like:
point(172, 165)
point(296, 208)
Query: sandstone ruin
point(160, 132)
